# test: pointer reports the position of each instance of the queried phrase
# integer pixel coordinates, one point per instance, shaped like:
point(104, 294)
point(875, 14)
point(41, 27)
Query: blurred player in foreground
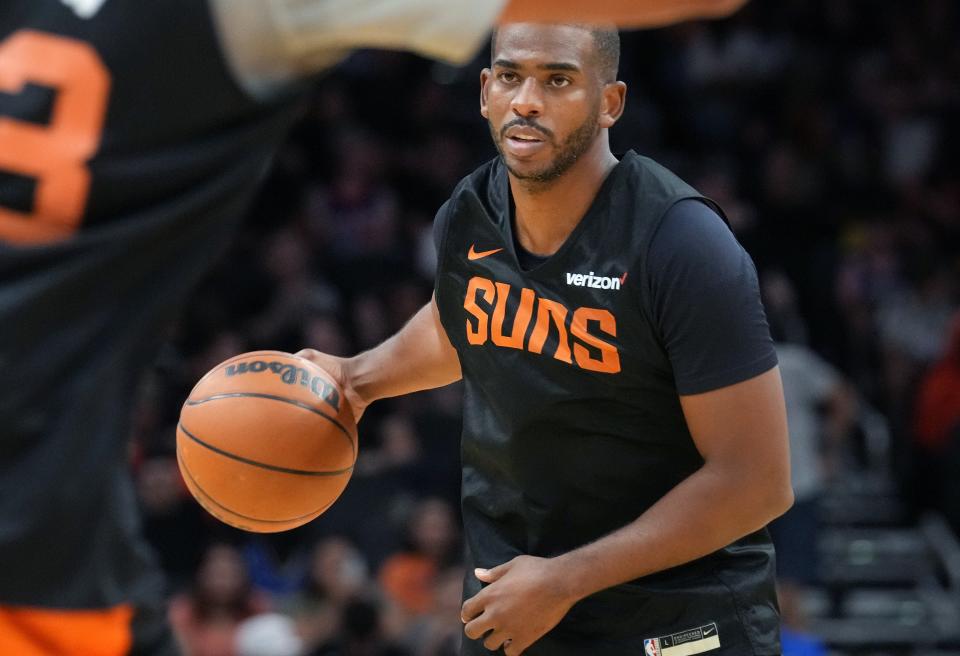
point(132, 136)
point(625, 437)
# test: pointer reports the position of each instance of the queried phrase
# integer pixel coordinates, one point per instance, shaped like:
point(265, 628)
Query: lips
point(523, 141)
point(524, 132)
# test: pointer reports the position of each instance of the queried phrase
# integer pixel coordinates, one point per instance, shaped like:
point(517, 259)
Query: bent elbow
point(780, 499)
point(722, 8)
point(786, 499)
point(718, 8)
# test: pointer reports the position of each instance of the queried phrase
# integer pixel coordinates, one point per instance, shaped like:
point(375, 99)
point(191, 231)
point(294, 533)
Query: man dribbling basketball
point(625, 437)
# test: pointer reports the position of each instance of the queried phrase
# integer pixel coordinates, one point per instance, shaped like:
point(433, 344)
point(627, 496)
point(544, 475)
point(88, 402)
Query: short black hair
point(606, 41)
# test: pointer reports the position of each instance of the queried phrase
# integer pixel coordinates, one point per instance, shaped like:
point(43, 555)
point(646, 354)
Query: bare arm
point(418, 357)
point(625, 13)
point(741, 432)
point(270, 44)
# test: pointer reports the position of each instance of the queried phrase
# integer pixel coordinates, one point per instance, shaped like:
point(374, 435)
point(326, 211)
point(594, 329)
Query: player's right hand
point(339, 369)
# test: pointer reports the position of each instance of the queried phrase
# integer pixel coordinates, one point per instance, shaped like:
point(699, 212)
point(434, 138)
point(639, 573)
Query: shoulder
point(643, 165)
point(692, 241)
point(653, 196)
point(694, 226)
point(482, 181)
point(704, 299)
point(478, 186)
point(485, 191)
point(654, 179)
point(481, 192)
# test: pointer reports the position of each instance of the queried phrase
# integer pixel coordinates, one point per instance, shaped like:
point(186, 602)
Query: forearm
point(625, 13)
point(418, 357)
point(712, 508)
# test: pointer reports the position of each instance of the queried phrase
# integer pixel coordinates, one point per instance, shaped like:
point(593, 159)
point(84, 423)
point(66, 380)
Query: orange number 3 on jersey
point(55, 154)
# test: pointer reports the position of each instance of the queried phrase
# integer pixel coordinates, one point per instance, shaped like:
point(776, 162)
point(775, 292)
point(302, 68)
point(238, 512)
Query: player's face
point(542, 97)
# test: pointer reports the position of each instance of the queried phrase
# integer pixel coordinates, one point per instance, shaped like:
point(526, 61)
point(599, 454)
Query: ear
point(485, 77)
point(612, 103)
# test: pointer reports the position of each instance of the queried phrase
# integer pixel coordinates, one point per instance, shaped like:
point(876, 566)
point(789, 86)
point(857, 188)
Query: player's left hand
point(525, 598)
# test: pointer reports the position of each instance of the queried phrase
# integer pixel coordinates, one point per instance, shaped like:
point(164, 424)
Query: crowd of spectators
point(823, 128)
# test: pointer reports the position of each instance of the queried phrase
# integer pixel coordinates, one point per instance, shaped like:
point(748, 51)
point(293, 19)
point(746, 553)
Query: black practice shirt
point(572, 372)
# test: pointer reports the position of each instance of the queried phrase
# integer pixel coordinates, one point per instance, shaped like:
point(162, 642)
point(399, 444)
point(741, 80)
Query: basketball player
point(624, 440)
point(131, 138)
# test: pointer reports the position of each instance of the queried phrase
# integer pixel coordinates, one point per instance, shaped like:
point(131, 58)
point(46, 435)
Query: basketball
point(266, 441)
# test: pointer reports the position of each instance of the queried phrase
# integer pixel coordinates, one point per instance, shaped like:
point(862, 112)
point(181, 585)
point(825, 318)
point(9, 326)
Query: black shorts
point(721, 638)
point(714, 625)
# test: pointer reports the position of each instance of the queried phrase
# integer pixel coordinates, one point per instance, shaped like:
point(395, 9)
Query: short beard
point(575, 145)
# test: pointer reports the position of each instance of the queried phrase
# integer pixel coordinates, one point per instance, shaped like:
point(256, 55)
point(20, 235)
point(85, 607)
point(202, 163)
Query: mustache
point(521, 121)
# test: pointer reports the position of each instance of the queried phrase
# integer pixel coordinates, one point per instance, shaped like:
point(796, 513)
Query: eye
point(507, 77)
point(559, 81)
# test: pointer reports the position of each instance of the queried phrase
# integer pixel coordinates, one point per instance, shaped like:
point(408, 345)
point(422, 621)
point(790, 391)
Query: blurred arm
point(625, 13)
point(271, 44)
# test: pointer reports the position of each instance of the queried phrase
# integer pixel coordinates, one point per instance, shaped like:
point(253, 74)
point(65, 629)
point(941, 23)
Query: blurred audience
point(440, 631)
point(408, 577)
point(206, 618)
point(936, 430)
point(172, 520)
point(821, 414)
point(364, 631)
point(338, 575)
point(269, 634)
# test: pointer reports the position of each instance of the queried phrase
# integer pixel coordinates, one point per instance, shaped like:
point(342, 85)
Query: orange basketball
point(266, 441)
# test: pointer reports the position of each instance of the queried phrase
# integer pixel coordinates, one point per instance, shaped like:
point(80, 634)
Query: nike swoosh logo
point(708, 630)
point(474, 255)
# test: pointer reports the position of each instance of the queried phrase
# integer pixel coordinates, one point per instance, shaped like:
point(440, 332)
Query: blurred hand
point(339, 369)
point(525, 598)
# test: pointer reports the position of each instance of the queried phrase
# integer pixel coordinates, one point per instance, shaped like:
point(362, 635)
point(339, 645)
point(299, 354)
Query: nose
point(528, 100)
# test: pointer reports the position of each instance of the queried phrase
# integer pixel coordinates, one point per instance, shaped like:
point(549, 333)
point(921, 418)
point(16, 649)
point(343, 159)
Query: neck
point(547, 212)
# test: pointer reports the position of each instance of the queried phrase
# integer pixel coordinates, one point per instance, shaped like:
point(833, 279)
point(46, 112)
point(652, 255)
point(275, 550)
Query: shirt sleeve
point(269, 43)
point(705, 301)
